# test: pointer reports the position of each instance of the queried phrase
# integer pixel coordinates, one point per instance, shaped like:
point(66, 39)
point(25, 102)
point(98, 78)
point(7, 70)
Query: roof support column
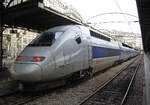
point(1, 33)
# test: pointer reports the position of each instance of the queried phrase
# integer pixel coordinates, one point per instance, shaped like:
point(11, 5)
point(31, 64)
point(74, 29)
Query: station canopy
point(144, 17)
point(33, 14)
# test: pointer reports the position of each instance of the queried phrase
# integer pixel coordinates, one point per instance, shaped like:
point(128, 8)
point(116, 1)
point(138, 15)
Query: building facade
point(15, 40)
point(132, 39)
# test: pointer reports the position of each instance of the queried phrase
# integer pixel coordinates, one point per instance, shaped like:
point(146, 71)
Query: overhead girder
point(9, 3)
point(34, 15)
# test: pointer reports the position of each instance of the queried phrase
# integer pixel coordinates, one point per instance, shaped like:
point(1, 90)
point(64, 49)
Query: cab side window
point(78, 37)
point(78, 40)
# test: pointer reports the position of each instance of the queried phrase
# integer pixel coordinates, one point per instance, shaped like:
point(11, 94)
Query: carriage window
point(46, 39)
point(58, 34)
point(99, 36)
point(78, 40)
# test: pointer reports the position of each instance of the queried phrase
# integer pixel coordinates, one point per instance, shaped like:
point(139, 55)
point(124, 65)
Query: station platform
point(4, 73)
point(6, 83)
point(7, 63)
point(4, 77)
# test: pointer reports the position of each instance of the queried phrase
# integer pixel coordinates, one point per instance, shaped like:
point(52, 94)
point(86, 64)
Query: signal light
point(18, 58)
point(38, 59)
point(97, 62)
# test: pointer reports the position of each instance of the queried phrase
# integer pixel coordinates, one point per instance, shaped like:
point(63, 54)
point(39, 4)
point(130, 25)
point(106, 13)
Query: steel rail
point(130, 84)
point(26, 100)
point(105, 84)
point(8, 94)
point(22, 100)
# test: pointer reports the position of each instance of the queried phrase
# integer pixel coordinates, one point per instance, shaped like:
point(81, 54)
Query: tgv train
point(63, 52)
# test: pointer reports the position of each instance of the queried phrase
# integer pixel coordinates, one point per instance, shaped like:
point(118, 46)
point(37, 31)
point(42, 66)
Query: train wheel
point(90, 72)
point(75, 76)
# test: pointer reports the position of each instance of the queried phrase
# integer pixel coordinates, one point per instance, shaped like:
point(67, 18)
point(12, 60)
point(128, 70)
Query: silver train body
point(64, 50)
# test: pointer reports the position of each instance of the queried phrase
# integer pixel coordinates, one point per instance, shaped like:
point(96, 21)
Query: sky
point(90, 8)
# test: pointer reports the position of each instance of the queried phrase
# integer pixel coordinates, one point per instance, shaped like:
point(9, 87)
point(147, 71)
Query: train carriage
point(65, 52)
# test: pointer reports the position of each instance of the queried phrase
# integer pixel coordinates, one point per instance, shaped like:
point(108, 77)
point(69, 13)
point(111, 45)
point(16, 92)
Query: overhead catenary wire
point(117, 4)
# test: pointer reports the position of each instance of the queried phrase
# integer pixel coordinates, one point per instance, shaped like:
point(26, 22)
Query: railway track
point(7, 94)
point(17, 98)
point(114, 91)
point(60, 95)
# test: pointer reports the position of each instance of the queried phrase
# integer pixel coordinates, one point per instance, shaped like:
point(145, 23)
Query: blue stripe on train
point(100, 52)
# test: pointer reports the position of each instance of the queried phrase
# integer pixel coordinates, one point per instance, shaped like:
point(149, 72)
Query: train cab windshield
point(46, 39)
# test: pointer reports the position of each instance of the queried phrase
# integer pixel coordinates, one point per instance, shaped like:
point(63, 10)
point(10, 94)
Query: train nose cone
point(26, 72)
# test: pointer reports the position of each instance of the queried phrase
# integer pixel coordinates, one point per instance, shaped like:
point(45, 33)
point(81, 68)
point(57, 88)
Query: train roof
point(65, 27)
point(60, 28)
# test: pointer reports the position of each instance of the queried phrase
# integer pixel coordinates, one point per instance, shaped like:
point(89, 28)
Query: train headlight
point(18, 58)
point(38, 59)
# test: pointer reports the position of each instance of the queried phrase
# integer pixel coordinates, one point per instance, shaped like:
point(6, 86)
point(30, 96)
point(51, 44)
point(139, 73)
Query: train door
point(121, 51)
point(72, 52)
point(90, 56)
point(86, 52)
point(78, 59)
point(83, 44)
point(75, 54)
